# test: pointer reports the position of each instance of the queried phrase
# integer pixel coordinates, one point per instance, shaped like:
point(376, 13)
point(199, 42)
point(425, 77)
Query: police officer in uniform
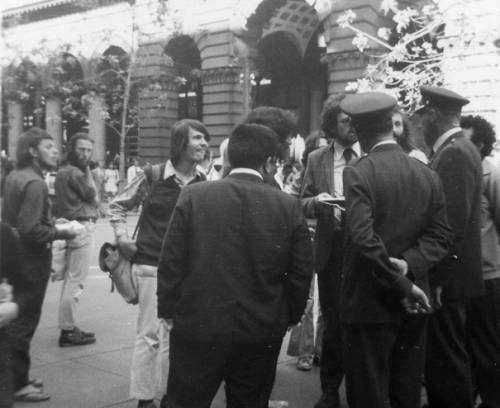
point(396, 230)
point(459, 277)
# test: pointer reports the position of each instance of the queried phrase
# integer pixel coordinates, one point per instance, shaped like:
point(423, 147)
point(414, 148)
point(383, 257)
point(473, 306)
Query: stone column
point(224, 100)
point(158, 102)
point(97, 129)
point(15, 120)
point(53, 121)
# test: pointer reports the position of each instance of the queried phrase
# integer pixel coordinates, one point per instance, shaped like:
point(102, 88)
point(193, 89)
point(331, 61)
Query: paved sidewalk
point(97, 376)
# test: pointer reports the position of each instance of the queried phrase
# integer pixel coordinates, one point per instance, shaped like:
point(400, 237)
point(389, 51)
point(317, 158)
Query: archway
point(289, 72)
point(68, 85)
point(187, 65)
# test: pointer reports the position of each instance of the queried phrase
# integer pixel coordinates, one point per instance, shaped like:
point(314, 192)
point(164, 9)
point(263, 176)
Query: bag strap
point(152, 173)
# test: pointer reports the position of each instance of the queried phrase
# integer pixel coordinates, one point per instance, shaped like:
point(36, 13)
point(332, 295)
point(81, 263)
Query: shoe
point(74, 338)
point(30, 393)
point(146, 404)
point(36, 382)
point(305, 363)
point(84, 333)
point(277, 404)
point(328, 401)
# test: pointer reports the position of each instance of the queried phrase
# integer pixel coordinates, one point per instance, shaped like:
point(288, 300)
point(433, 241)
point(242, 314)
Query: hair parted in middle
point(180, 137)
point(251, 144)
point(71, 157)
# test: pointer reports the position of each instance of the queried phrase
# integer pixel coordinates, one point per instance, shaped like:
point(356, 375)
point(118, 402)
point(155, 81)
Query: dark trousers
point(384, 363)
point(448, 373)
point(5, 371)
point(22, 329)
point(198, 368)
point(483, 330)
point(331, 365)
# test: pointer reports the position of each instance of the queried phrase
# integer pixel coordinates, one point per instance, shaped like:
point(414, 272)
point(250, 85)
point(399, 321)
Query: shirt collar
point(171, 171)
point(338, 149)
point(383, 142)
point(441, 139)
point(245, 170)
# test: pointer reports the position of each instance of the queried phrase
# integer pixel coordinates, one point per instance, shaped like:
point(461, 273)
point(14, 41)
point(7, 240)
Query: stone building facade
point(212, 60)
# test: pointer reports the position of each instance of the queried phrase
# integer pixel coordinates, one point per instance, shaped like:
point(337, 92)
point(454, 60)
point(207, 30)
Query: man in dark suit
point(234, 273)
point(458, 278)
point(396, 230)
point(322, 181)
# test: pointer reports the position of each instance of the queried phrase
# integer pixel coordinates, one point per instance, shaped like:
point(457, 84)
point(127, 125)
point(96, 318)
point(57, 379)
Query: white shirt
point(245, 170)
point(339, 164)
point(441, 139)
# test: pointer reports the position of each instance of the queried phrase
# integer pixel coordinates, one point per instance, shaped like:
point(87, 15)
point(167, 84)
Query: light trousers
point(78, 255)
point(149, 370)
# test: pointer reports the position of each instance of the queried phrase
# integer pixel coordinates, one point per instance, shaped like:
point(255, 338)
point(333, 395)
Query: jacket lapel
point(328, 169)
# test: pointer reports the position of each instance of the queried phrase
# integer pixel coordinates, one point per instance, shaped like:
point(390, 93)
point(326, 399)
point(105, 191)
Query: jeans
point(149, 369)
point(78, 255)
point(22, 329)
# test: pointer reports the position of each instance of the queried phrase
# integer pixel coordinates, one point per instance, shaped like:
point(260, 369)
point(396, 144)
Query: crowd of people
point(401, 247)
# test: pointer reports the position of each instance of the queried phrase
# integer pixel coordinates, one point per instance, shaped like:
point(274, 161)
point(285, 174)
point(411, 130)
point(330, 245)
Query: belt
point(86, 219)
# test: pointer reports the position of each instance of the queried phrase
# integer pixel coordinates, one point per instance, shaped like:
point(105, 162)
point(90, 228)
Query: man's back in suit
point(395, 208)
point(238, 261)
point(234, 273)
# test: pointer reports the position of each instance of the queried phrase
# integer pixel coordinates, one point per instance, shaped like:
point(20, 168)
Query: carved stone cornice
point(221, 75)
point(349, 60)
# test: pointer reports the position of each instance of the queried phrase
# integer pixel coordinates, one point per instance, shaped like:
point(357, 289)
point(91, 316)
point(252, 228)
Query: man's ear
point(33, 151)
point(270, 164)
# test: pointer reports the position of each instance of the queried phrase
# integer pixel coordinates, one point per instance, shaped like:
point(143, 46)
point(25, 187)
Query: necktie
point(348, 155)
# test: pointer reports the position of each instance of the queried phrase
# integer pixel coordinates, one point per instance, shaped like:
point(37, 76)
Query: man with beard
point(26, 208)
point(76, 199)
point(322, 182)
point(459, 278)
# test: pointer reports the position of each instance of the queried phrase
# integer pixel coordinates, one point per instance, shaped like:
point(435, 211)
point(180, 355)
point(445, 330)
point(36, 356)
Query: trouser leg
point(196, 372)
point(78, 262)
point(250, 374)
point(150, 357)
point(22, 329)
point(6, 389)
point(367, 350)
point(448, 372)
point(483, 330)
point(407, 362)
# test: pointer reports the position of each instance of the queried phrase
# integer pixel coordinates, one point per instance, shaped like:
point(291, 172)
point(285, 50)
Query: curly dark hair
point(483, 132)
point(331, 109)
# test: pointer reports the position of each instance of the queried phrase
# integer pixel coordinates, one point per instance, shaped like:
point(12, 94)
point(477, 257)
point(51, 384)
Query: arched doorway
point(288, 68)
point(68, 84)
point(187, 66)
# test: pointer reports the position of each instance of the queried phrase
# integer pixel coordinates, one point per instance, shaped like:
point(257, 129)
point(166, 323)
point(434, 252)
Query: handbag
point(120, 272)
point(119, 267)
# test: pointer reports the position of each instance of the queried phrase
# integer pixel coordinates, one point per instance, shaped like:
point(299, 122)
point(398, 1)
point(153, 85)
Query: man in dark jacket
point(396, 230)
point(76, 199)
point(26, 208)
point(459, 277)
point(323, 180)
point(234, 273)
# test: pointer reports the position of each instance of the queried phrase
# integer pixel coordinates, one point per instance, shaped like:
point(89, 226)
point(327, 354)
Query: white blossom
point(389, 5)
point(384, 33)
point(403, 17)
point(346, 19)
point(360, 41)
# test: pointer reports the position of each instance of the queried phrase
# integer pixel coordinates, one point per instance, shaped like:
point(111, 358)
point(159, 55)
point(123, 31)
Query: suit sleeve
point(298, 278)
point(457, 175)
point(359, 227)
point(174, 257)
point(434, 242)
point(308, 191)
